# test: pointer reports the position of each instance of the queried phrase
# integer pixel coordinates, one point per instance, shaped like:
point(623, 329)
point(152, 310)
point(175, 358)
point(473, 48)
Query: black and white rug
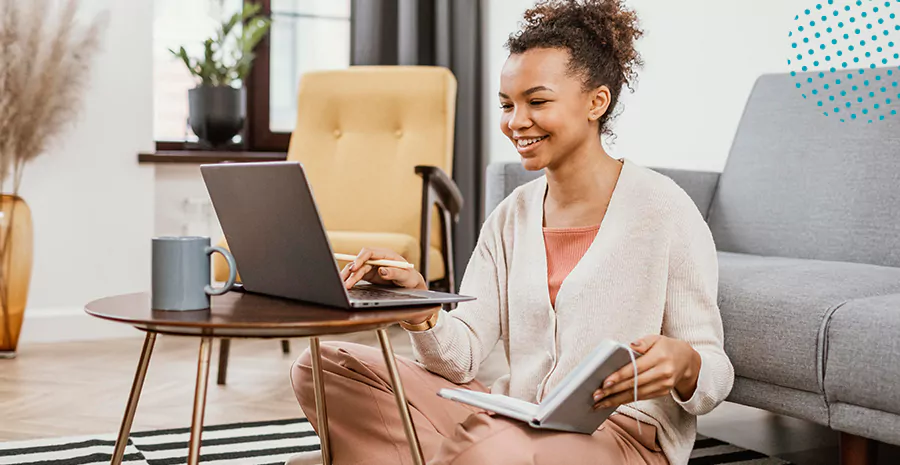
point(270, 442)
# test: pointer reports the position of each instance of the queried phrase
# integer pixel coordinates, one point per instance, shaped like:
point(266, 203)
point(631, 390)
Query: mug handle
point(232, 271)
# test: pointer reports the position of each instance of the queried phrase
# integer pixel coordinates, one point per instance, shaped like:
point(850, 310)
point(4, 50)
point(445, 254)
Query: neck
point(587, 175)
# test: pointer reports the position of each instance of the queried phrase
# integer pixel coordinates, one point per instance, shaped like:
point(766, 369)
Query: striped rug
point(270, 442)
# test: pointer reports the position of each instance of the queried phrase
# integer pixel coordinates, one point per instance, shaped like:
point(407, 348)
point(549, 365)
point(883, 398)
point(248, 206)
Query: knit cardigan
point(651, 269)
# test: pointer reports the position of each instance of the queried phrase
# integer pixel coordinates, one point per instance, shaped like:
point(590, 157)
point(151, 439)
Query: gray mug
point(181, 273)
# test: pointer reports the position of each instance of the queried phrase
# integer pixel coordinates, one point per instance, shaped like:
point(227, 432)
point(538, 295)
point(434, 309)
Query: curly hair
point(600, 36)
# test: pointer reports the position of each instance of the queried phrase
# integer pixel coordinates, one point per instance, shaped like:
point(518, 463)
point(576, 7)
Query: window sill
point(204, 156)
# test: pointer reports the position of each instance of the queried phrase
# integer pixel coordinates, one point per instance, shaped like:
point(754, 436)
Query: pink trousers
point(365, 426)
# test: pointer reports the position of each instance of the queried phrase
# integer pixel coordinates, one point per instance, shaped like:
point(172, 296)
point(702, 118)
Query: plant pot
point(16, 247)
point(216, 113)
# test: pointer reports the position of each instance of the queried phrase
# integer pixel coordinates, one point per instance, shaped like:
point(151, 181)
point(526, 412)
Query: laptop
point(274, 231)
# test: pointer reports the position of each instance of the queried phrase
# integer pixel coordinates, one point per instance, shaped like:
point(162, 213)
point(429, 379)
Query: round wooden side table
point(240, 315)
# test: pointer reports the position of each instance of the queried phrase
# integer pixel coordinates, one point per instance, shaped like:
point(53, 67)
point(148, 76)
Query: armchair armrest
point(438, 189)
point(447, 194)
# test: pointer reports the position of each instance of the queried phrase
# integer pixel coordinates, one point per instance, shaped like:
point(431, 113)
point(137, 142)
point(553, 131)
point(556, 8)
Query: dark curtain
point(441, 33)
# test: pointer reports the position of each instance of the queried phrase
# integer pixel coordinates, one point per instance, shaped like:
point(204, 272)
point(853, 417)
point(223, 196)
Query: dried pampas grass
point(45, 58)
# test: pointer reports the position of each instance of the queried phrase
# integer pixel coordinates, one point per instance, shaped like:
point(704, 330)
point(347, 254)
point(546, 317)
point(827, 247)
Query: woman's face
point(546, 112)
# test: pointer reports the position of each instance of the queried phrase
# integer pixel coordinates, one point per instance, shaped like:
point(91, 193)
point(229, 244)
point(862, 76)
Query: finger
point(645, 390)
point(345, 272)
point(356, 276)
point(644, 363)
point(396, 275)
point(649, 392)
point(361, 273)
point(644, 344)
point(646, 378)
point(368, 253)
point(361, 257)
point(387, 273)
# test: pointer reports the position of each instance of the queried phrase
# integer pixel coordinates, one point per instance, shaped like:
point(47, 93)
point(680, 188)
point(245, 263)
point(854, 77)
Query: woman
point(599, 248)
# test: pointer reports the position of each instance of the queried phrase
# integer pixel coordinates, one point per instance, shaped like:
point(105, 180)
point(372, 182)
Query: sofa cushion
point(799, 184)
point(862, 354)
point(773, 310)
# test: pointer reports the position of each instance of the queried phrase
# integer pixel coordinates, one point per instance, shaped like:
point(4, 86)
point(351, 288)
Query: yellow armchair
point(376, 143)
point(365, 136)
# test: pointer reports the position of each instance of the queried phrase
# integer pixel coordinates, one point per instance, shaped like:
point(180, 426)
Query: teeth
point(527, 142)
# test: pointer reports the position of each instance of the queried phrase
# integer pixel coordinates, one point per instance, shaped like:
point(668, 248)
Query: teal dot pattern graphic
point(845, 58)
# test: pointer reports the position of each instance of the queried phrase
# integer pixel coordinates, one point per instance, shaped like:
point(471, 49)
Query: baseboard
point(70, 324)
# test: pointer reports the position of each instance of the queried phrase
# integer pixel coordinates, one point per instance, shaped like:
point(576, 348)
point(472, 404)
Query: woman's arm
point(692, 314)
point(462, 339)
point(687, 359)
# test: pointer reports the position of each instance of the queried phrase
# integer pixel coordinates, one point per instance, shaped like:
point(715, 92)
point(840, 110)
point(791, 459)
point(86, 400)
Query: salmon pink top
point(565, 247)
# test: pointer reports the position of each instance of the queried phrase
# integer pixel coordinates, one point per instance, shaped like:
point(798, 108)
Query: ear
point(600, 98)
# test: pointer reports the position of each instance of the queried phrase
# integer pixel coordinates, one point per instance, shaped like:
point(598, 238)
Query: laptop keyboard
point(376, 294)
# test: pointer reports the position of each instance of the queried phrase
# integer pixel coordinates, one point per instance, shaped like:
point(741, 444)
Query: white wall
point(182, 204)
point(95, 208)
point(91, 202)
point(701, 60)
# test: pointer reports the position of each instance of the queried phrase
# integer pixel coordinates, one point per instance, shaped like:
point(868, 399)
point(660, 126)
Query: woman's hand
point(357, 270)
point(665, 364)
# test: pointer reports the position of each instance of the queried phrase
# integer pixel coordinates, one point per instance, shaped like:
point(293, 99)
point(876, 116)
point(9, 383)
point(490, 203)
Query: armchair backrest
point(360, 133)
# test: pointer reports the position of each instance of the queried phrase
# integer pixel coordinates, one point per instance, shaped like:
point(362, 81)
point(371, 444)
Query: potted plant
point(47, 59)
point(216, 105)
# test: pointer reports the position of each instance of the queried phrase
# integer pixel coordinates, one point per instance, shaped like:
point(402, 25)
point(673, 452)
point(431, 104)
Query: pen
point(391, 263)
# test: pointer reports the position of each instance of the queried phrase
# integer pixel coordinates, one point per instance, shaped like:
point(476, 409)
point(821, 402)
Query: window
point(306, 35)
point(178, 23)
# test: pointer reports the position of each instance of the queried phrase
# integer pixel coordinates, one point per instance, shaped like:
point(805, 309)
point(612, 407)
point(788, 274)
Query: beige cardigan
point(651, 269)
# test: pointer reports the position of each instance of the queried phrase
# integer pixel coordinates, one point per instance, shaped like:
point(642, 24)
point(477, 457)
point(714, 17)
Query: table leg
point(199, 400)
point(131, 407)
point(321, 410)
point(414, 447)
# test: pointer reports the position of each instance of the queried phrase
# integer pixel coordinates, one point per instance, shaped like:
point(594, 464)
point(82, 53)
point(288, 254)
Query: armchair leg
point(447, 233)
point(857, 450)
point(224, 346)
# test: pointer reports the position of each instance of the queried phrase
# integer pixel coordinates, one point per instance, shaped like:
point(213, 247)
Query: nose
point(520, 120)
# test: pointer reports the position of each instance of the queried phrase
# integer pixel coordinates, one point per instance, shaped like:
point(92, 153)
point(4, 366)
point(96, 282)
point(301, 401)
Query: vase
point(16, 247)
point(216, 113)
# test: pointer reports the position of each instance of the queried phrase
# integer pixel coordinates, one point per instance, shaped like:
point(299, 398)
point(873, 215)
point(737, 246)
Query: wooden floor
point(80, 388)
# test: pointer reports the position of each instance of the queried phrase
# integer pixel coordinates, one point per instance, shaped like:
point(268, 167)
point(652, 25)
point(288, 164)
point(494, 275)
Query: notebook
point(569, 406)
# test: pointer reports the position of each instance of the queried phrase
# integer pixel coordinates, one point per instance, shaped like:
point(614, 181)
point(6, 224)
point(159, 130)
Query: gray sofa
point(806, 219)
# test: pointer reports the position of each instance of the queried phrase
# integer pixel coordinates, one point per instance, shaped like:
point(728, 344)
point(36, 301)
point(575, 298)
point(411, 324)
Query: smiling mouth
point(530, 141)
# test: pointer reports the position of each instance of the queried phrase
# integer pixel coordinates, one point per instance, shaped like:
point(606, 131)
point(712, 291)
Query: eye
point(538, 102)
point(505, 106)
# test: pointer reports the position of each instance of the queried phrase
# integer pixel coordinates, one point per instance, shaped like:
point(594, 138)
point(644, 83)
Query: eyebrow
point(529, 91)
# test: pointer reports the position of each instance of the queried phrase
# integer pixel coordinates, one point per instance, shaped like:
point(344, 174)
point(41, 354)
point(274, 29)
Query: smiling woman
point(567, 64)
point(597, 249)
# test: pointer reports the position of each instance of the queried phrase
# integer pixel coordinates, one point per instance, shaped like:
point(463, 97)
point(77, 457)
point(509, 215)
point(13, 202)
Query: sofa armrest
point(700, 185)
point(504, 177)
point(501, 178)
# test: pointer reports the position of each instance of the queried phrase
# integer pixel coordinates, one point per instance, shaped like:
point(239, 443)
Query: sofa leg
point(857, 450)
